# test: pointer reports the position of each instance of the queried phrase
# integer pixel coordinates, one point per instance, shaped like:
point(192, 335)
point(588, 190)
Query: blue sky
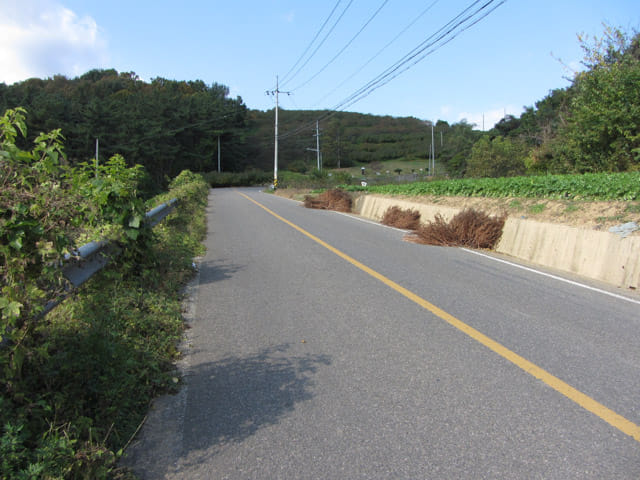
point(510, 59)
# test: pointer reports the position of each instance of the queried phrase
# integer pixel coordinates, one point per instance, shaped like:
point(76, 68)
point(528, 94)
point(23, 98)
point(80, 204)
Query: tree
point(497, 157)
point(602, 131)
point(455, 148)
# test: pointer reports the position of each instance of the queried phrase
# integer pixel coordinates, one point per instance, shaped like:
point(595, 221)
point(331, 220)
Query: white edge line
point(522, 267)
point(555, 277)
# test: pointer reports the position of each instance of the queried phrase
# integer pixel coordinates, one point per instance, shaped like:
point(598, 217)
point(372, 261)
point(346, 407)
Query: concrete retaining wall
point(594, 254)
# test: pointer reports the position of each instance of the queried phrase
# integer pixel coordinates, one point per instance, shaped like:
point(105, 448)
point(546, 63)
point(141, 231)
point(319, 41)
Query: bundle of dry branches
point(469, 228)
point(399, 218)
point(334, 199)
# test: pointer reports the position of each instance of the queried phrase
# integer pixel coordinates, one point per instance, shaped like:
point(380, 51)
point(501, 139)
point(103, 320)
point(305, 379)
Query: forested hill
point(345, 138)
point(168, 126)
point(165, 125)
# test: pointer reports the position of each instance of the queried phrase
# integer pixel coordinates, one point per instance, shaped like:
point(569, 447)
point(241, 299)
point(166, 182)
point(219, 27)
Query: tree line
point(164, 125)
point(168, 126)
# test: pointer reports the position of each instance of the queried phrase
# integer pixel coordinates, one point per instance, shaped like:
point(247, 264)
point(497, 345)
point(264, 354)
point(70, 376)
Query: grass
point(615, 218)
point(572, 208)
point(633, 208)
point(390, 166)
point(515, 204)
point(537, 208)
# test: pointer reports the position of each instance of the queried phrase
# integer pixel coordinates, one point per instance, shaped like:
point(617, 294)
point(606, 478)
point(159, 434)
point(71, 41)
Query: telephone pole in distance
point(276, 92)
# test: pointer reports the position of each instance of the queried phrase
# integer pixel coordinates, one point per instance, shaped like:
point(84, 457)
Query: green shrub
point(75, 384)
point(245, 179)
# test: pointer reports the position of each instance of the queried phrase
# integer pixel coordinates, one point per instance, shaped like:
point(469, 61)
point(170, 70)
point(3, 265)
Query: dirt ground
point(576, 213)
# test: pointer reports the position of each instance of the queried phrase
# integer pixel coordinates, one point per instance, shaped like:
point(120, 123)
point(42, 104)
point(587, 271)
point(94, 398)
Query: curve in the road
point(585, 401)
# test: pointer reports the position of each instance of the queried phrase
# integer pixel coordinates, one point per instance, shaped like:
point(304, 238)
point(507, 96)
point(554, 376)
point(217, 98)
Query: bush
point(335, 199)
point(469, 228)
point(399, 218)
point(75, 384)
point(245, 179)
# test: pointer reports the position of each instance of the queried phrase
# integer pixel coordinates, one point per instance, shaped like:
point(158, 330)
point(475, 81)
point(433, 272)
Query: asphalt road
point(302, 363)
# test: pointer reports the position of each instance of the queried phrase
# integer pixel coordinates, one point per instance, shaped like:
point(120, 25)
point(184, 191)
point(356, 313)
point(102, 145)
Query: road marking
point(586, 402)
point(555, 277)
point(512, 264)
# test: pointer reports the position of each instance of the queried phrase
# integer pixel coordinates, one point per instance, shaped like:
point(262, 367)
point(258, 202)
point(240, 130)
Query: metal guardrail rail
point(81, 264)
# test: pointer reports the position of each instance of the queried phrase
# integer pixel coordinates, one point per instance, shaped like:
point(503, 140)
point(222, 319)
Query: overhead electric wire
point(423, 13)
point(284, 78)
point(343, 48)
point(394, 70)
point(427, 43)
point(322, 42)
point(381, 83)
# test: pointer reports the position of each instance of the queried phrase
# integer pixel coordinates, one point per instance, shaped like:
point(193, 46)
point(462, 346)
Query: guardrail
point(81, 264)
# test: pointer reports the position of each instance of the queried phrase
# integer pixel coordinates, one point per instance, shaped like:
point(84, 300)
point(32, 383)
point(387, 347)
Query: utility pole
point(275, 150)
point(96, 158)
point(317, 149)
point(433, 153)
point(219, 170)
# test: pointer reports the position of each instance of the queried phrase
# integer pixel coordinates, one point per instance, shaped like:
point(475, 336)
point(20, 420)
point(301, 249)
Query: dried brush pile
point(469, 228)
point(399, 218)
point(334, 199)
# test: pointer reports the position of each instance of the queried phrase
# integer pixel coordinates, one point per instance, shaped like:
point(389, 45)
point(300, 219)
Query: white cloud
point(41, 39)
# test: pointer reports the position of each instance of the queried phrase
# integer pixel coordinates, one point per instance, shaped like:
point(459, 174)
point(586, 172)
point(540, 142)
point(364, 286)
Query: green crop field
point(588, 186)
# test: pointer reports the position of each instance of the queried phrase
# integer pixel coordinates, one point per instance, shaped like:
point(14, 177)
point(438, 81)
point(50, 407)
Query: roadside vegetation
point(76, 384)
point(588, 186)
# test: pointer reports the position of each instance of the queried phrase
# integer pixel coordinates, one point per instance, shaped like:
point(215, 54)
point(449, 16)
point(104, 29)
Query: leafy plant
point(75, 385)
point(590, 186)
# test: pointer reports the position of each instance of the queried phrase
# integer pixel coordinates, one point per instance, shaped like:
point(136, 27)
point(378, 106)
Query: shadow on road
point(226, 402)
point(231, 399)
point(215, 271)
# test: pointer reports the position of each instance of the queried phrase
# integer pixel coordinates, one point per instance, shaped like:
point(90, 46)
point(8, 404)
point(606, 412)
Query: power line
point(343, 48)
point(434, 42)
point(323, 40)
point(440, 40)
point(284, 78)
point(380, 51)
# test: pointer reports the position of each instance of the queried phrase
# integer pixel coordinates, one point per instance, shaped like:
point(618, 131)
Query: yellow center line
point(586, 402)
